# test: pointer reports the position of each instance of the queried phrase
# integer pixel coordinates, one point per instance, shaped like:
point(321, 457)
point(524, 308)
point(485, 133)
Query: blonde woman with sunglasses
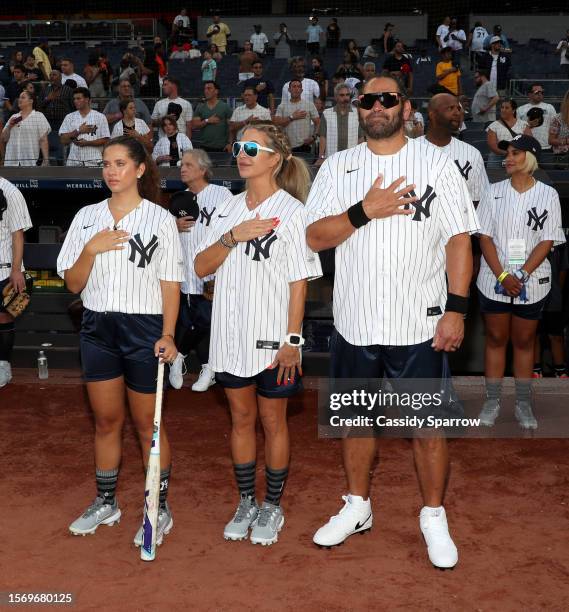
point(257, 250)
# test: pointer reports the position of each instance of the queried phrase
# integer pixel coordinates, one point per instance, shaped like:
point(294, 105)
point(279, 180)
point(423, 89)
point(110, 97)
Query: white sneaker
point(205, 380)
point(354, 517)
point(5, 373)
point(442, 551)
point(177, 371)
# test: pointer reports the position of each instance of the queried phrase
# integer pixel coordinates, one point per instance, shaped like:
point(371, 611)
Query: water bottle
point(42, 366)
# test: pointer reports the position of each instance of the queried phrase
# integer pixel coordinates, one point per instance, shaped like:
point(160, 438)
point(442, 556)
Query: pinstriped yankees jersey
point(14, 216)
point(390, 285)
point(251, 298)
point(469, 163)
point(209, 200)
point(126, 280)
point(533, 216)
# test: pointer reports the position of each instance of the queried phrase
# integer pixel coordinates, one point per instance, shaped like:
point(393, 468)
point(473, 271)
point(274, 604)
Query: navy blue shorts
point(531, 312)
point(265, 381)
point(195, 311)
point(117, 344)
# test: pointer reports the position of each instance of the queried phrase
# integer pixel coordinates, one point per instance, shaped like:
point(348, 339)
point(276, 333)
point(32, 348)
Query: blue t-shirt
point(314, 32)
point(208, 68)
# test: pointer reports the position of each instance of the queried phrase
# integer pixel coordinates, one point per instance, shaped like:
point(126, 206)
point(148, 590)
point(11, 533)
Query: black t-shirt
point(262, 96)
point(174, 151)
point(392, 64)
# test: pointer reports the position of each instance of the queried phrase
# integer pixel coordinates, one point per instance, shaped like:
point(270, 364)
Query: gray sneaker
point(165, 524)
point(270, 521)
point(524, 414)
point(5, 373)
point(489, 413)
point(245, 515)
point(98, 513)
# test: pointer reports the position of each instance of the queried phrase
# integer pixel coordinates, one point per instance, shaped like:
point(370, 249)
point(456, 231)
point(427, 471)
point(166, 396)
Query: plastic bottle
point(42, 365)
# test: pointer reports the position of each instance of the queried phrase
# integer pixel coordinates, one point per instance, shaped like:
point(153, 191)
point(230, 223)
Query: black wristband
point(357, 216)
point(456, 303)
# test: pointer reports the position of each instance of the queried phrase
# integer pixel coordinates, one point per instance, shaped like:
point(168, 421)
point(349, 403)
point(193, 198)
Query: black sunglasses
point(387, 99)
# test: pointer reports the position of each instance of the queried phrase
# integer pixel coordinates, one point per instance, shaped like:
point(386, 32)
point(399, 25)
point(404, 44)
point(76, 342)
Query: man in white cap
point(497, 64)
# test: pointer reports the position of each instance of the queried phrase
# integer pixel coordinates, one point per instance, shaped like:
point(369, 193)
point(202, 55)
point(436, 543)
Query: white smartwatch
point(295, 340)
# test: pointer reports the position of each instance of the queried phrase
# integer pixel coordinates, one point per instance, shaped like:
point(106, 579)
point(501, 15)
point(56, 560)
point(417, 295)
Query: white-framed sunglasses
point(250, 148)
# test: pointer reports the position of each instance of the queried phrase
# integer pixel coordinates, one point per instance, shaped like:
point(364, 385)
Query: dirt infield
point(508, 508)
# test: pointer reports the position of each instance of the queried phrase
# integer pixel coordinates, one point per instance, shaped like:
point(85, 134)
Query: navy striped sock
point(7, 335)
point(164, 483)
point(107, 484)
point(275, 484)
point(245, 477)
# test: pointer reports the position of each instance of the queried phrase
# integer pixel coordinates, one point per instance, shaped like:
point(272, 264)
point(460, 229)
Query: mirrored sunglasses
point(250, 148)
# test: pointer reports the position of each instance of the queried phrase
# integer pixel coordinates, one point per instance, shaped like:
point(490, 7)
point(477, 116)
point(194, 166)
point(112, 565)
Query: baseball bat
point(152, 486)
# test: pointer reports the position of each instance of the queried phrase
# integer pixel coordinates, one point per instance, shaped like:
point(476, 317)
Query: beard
point(384, 129)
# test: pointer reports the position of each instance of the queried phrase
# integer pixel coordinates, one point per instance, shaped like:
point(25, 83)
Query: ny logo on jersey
point(423, 204)
point(145, 251)
point(464, 170)
point(205, 217)
point(538, 220)
point(261, 245)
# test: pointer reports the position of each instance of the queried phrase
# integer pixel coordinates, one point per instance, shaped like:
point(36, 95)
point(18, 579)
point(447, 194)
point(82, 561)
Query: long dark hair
point(149, 182)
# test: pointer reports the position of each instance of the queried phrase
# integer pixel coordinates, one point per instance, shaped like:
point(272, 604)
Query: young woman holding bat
point(123, 255)
point(258, 252)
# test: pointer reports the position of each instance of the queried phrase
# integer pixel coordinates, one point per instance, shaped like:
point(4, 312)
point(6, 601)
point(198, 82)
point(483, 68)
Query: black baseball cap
point(184, 204)
point(522, 143)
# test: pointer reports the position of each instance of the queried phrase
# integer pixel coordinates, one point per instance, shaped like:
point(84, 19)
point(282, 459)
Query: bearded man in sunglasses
point(399, 216)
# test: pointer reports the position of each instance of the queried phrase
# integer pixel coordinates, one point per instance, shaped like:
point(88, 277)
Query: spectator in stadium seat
point(350, 68)
point(559, 131)
point(131, 125)
point(415, 125)
point(370, 52)
point(171, 88)
point(25, 134)
point(310, 88)
point(68, 72)
point(282, 42)
point(113, 112)
point(497, 32)
point(264, 88)
point(215, 54)
point(339, 126)
point(398, 64)
point(448, 74)
point(55, 104)
point(244, 114)
point(14, 88)
point(212, 119)
point(313, 34)
point(387, 39)
point(455, 39)
point(296, 116)
point(218, 33)
point(540, 123)
point(475, 42)
point(246, 59)
point(85, 130)
point(259, 41)
point(563, 50)
point(94, 76)
point(497, 64)
point(150, 73)
point(442, 32)
point(182, 17)
point(352, 47)
point(485, 99)
point(209, 67)
point(318, 74)
point(504, 129)
point(41, 54)
point(170, 149)
point(33, 73)
point(333, 34)
point(369, 71)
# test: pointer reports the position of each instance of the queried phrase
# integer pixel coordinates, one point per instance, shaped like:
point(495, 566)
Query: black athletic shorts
point(265, 381)
point(195, 311)
point(117, 344)
point(3, 283)
point(531, 312)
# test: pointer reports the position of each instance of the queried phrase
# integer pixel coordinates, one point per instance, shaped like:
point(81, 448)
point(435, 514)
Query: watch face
point(294, 339)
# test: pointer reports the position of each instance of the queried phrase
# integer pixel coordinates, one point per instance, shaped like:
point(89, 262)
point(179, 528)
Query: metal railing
point(554, 88)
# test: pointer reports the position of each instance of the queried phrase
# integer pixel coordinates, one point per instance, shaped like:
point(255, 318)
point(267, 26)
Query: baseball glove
point(208, 290)
point(15, 303)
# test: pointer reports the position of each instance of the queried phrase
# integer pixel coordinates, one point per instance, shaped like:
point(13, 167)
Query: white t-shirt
point(12, 218)
point(258, 41)
point(252, 286)
point(503, 133)
point(564, 56)
point(85, 156)
point(241, 113)
point(161, 110)
point(23, 148)
point(81, 82)
point(533, 216)
point(310, 90)
point(541, 133)
point(184, 19)
point(456, 45)
point(139, 125)
point(469, 162)
point(479, 34)
point(442, 31)
point(126, 280)
point(210, 198)
point(390, 284)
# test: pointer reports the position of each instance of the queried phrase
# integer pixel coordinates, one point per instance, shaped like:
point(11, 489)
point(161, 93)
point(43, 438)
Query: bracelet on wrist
point(503, 276)
point(232, 237)
point(167, 336)
point(226, 244)
point(456, 303)
point(357, 216)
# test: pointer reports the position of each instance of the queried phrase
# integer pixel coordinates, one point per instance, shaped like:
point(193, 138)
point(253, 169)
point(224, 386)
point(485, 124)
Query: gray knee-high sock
point(493, 388)
point(523, 390)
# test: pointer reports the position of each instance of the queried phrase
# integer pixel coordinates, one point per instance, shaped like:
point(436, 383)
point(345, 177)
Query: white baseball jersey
point(251, 298)
point(242, 113)
point(479, 34)
point(162, 147)
point(139, 125)
point(390, 285)
point(209, 200)
point(81, 82)
point(126, 280)
point(161, 110)
point(310, 90)
point(469, 163)
point(14, 216)
point(532, 216)
point(23, 148)
point(85, 156)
